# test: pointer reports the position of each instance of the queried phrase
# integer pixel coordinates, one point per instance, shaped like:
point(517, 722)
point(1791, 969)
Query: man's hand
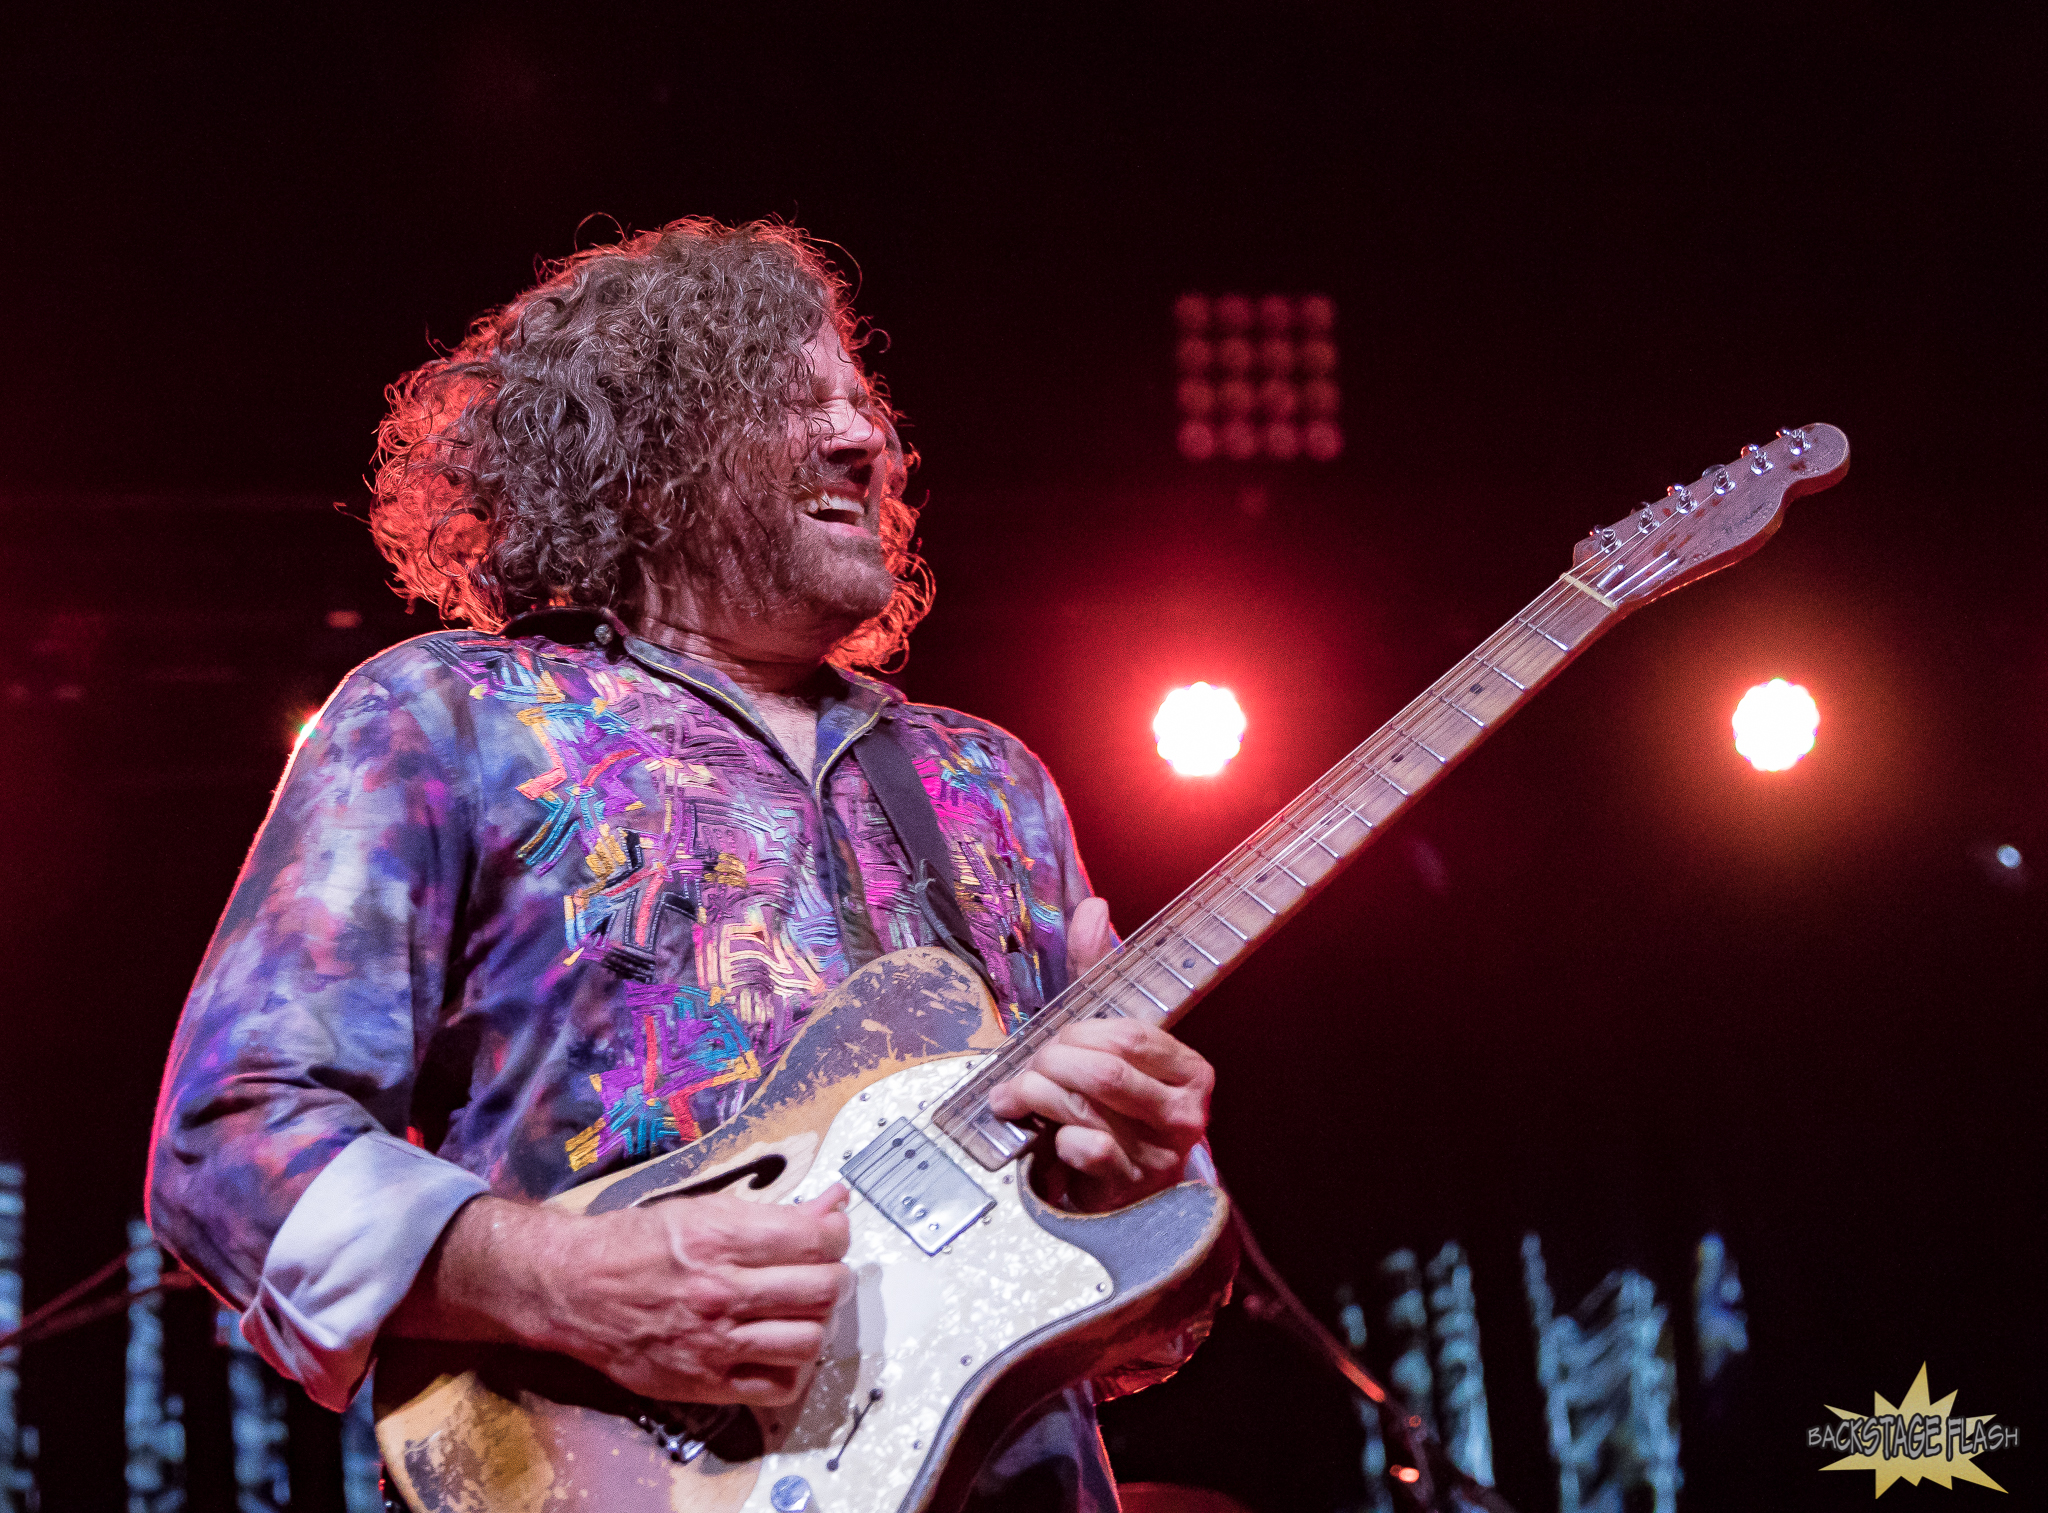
point(697, 1300)
point(1129, 1099)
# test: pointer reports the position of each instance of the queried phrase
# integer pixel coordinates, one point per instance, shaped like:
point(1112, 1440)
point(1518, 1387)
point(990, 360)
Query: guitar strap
point(901, 793)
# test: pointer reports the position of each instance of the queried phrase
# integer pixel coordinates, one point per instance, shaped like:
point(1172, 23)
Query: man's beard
point(763, 560)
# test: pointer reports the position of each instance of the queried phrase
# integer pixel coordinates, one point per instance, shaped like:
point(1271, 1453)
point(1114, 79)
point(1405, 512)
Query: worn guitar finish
point(936, 1357)
point(975, 1300)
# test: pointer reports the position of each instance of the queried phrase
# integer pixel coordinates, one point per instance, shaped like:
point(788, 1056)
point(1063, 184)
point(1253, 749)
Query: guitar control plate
point(916, 1186)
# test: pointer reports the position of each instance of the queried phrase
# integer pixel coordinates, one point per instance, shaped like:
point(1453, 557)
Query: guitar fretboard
point(1167, 967)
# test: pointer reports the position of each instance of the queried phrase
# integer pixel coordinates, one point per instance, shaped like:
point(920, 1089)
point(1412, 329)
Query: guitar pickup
point(916, 1186)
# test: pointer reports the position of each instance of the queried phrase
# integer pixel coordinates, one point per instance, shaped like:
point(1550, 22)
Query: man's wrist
point(490, 1277)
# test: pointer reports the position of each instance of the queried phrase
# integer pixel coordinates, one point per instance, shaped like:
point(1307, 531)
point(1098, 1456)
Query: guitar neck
point(1171, 964)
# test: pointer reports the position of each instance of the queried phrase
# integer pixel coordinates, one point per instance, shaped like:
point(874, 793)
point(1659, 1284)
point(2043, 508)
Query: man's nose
point(855, 439)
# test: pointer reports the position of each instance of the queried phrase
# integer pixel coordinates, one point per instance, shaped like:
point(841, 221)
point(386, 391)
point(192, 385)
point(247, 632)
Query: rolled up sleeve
point(277, 1172)
point(346, 1256)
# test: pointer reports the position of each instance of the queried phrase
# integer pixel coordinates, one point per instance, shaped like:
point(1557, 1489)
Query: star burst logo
point(1914, 1439)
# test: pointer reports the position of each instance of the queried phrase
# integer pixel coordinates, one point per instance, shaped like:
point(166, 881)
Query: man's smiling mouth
point(835, 507)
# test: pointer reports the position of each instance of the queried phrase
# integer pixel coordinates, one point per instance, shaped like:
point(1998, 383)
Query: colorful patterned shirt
point(527, 908)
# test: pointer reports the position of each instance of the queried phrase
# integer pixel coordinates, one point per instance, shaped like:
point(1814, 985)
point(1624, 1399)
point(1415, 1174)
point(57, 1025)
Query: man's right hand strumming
point(695, 1300)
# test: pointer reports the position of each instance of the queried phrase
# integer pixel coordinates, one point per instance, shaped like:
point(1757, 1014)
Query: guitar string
point(1096, 990)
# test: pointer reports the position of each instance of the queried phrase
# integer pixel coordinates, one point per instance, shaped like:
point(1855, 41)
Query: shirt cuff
point(346, 1256)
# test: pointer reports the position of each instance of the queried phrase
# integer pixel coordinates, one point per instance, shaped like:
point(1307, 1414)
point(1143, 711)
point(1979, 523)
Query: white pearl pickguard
point(919, 1327)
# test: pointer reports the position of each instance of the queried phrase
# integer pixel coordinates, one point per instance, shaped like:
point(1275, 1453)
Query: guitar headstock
point(1701, 527)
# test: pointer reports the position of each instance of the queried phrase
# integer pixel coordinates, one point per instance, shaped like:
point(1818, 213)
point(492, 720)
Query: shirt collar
point(852, 704)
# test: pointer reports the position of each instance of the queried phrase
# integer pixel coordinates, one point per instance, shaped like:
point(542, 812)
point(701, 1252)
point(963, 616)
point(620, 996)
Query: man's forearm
point(485, 1278)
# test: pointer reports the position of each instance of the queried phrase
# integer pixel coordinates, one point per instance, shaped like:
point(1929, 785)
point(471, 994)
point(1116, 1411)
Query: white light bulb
point(1199, 729)
point(1775, 725)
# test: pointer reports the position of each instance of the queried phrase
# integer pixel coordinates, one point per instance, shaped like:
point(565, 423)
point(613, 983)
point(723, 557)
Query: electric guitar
point(974, 1299)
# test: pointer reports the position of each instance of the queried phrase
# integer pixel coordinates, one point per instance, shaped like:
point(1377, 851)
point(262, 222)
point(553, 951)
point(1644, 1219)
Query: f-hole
point(758, 1174)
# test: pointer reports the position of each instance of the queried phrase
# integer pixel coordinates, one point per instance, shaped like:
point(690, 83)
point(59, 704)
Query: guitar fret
point(1247, 892)
point(1419, 742)
point(1218, 915)
point(1546, 635)
point(1148, 993)
point(1287, 869)
point(1349, 816)
point(1448, 704)
point(1503, 672)
point(1390, 782)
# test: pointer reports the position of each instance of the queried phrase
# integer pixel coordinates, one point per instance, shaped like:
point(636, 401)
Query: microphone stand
point(1427, 1482)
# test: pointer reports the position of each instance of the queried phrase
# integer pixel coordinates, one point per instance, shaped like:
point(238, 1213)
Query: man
point(544, 898)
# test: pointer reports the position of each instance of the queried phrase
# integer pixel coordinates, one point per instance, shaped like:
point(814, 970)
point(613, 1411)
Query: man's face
point(832, 564)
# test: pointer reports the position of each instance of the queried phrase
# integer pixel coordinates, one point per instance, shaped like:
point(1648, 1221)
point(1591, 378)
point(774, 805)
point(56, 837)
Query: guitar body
point(926, 1366)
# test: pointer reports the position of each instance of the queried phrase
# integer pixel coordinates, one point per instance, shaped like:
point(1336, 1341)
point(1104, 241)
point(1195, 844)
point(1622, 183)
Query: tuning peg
point(1797, 440)
point(1758, 463)
point(1723, 484)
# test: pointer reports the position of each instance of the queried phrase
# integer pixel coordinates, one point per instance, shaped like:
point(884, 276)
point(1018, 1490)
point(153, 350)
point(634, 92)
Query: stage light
point(1199, 729)
point(1281, 441)
point(2009, 858)
point(1775, 724)
point(1276, 355)
point(1322, 440)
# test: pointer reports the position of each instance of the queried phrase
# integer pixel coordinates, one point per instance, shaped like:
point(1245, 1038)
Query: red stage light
point(1199, 729)
point(1317, 314)
point(1197, 440)
point(1775, 725)
point(1237, 356)
point(1233, 313)
point(1240, 440)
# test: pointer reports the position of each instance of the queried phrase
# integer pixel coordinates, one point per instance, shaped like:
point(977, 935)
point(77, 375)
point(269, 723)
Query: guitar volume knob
point(790, 1495)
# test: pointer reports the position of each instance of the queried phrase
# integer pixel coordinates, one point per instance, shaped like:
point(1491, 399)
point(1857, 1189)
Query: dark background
point(1608, 983)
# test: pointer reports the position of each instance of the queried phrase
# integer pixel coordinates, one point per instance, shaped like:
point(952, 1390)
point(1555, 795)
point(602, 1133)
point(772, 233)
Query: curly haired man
point(549, 895)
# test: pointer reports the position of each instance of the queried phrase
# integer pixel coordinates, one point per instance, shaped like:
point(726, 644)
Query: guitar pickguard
point(918, 1328)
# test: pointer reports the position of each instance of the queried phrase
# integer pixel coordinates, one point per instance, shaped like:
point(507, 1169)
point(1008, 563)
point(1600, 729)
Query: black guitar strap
point(901, 793)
